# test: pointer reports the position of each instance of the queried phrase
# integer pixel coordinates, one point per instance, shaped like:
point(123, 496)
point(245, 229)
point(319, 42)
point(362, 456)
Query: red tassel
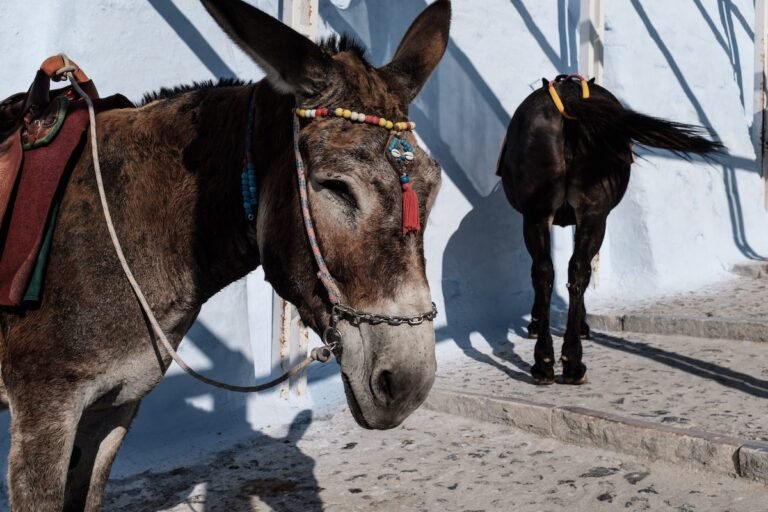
point(411, 222)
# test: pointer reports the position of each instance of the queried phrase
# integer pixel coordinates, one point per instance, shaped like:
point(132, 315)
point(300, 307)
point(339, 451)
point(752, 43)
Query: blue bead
point(251, 167)
point(404, 179)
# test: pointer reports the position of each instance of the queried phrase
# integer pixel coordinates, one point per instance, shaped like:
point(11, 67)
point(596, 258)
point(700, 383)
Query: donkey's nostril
point(386, 388)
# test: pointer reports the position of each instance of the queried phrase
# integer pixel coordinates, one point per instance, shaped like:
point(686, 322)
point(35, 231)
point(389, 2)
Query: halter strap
point(334, 295)
point(556, 97)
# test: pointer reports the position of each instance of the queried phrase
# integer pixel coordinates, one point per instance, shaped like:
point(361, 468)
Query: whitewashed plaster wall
point(682, 224)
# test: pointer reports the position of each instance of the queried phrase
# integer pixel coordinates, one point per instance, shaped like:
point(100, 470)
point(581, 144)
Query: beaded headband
point(398, 147)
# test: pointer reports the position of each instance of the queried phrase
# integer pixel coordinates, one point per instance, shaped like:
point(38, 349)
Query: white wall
point(681, 224)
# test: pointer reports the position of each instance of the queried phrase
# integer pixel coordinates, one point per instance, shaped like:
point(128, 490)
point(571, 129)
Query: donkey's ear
point(420, 50)
point(293, 63)
point(591, 80)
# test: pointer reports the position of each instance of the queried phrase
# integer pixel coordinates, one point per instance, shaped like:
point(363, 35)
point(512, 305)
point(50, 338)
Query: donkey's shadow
point(486, 269)
point(170, 429)
point(271, 469)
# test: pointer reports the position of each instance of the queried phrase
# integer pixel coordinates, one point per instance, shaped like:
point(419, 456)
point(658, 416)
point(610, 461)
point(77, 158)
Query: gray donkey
point(75, 370)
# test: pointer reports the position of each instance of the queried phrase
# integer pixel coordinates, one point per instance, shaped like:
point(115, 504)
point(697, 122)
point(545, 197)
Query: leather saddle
point(33, 119)
point(41, 136)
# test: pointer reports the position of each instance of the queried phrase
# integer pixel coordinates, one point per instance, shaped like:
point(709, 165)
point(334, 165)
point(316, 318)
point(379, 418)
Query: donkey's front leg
point(589, 237)
point(44, 420)
point(537, 241)
point(99, 435)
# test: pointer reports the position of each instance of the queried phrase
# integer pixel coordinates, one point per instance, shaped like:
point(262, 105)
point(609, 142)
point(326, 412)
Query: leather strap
point(54, 67)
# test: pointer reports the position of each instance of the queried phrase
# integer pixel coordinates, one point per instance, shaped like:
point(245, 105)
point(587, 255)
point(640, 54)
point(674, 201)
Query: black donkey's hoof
point(575, 374)
point(543, 374)
point(533, 330)
point(585, 333)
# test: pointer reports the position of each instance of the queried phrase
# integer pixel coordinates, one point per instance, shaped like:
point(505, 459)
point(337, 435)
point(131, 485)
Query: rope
point(334, 295)
point(321, 354)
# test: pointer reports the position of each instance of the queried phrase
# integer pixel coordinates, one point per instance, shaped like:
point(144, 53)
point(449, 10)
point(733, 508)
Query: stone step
point(695, 326)
point(757, 270)
point(586, 427)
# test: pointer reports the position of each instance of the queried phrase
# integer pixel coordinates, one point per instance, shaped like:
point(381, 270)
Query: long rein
point(331, 337)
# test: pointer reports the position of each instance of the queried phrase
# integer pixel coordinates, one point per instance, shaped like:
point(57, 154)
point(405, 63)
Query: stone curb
point(718, 328)
point(586, 427)
point(751, 270)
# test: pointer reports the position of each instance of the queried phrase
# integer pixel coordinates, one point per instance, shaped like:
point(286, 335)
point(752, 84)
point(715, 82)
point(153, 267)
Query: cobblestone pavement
point(433, 462)
point(738, 299)
point(715, 385)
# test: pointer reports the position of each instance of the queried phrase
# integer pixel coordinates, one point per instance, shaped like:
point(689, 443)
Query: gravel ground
point(737, 299)
point(432, 462)
point(715, 385)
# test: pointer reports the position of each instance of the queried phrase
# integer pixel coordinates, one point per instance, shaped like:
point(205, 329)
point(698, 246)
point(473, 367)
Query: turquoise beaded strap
point(248, 177)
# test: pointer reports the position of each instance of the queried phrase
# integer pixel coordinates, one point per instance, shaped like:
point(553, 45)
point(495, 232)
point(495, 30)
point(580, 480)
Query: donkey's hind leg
point(590, 232)
point(537, 240)
point(99, 435)
point(43, 426)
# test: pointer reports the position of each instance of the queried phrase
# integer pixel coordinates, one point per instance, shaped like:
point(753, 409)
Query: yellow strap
point(585, 89)
point(558, 102)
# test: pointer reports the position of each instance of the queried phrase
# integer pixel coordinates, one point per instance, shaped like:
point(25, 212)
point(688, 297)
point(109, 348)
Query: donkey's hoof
point(533, 330)
point(575, 374)
point(543, 375)
point(571, 382)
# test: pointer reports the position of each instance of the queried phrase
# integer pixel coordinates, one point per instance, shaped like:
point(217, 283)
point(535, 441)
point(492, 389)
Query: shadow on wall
point(729, 164)
point(167, 414)
point(486, 269)
point(192, 37)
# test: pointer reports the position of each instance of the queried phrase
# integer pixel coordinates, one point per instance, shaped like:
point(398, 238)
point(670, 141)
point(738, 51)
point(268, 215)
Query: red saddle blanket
point(31, 209)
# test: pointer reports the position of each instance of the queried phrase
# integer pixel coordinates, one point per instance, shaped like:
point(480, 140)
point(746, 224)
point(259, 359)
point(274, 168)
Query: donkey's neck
point(215, 243)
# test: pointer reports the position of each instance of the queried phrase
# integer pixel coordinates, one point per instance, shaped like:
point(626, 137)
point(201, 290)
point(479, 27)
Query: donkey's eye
point(341, 190)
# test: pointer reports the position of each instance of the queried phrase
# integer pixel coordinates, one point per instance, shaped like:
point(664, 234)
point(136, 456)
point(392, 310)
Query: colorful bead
point(357, 117)
point(404, 179)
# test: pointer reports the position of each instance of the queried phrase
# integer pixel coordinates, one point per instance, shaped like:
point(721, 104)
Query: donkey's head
point(355, 200)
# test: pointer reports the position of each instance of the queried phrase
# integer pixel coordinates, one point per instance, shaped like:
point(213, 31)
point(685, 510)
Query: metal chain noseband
point(357, 317)
point(332, 336)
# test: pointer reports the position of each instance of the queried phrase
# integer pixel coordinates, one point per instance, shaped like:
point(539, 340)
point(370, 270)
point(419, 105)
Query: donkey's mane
point(170, 92)
point(332, 45)
point(344, 43)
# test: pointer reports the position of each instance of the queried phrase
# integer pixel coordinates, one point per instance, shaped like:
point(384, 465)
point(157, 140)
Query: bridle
point(331, 336)
point(402, 154)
